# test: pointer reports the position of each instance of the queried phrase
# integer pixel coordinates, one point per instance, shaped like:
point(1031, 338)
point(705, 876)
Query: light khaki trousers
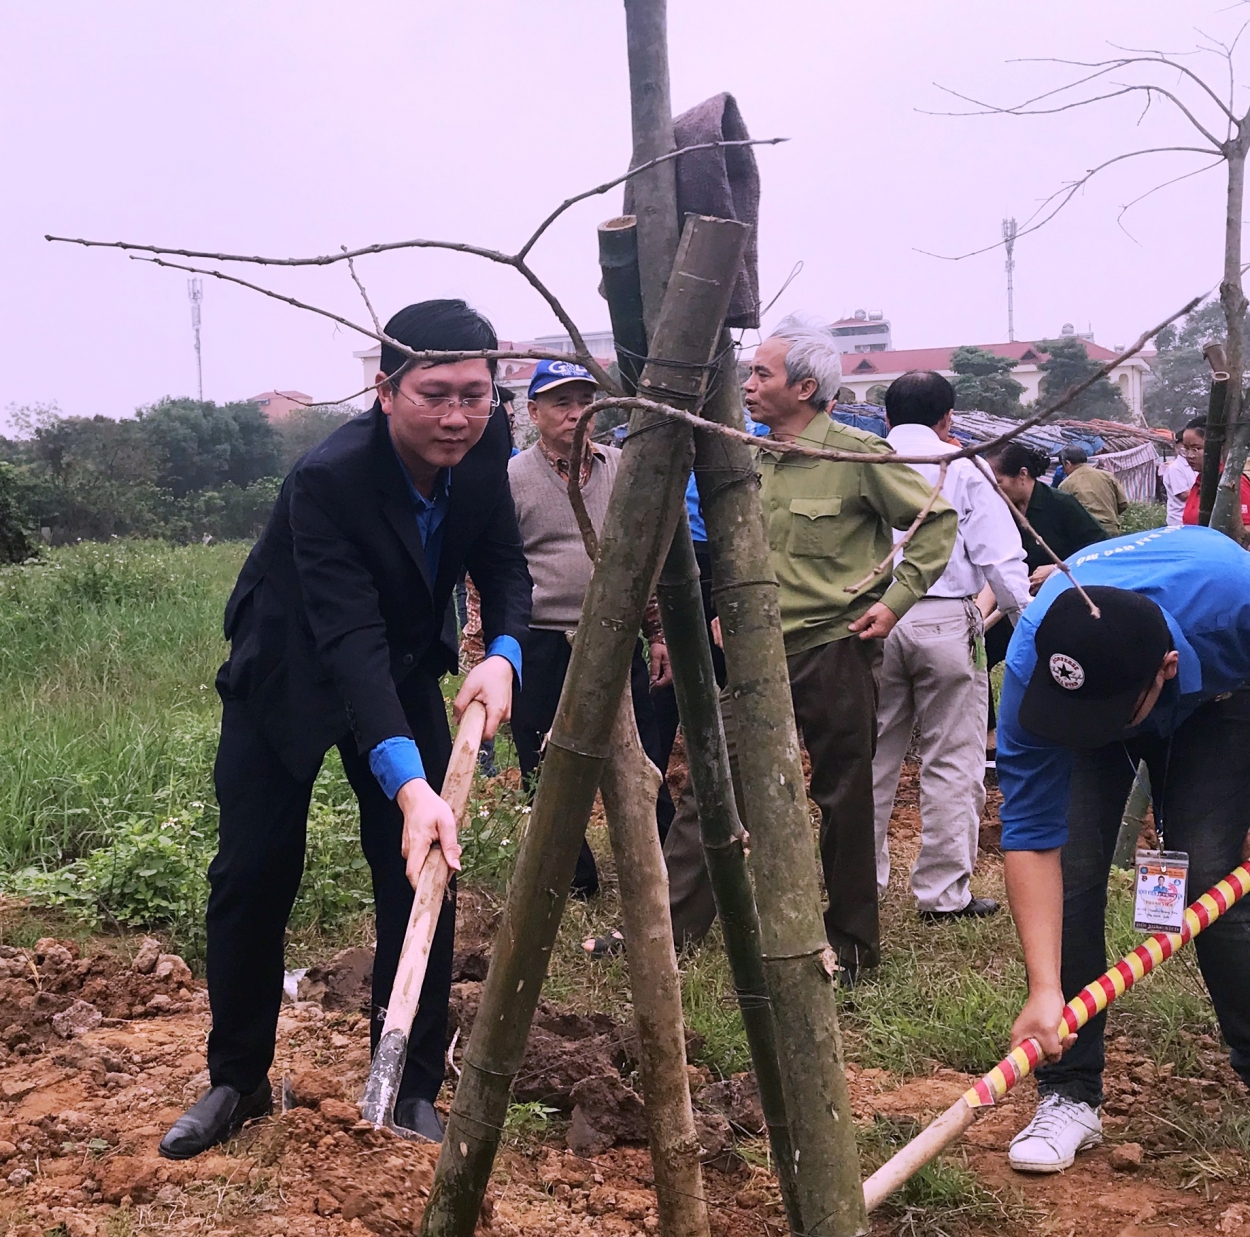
point(929, 680)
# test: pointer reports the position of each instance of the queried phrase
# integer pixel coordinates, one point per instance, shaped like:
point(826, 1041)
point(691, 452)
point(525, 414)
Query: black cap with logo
point(1091, 671)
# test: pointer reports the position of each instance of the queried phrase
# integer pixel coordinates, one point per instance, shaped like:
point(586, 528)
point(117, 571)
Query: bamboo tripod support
point(1022, 1060)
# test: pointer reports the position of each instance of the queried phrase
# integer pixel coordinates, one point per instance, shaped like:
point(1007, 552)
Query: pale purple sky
point(293, 128)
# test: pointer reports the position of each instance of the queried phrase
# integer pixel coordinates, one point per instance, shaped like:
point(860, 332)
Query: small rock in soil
point(1127, 1157)
point(605, 1112)
point(148, 956)
point(172, 968)
point(19, 1177)
point(78, 1019)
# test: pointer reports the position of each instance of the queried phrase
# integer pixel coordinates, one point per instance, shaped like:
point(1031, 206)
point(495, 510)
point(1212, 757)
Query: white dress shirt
point(987, 544)
point(1178, 480)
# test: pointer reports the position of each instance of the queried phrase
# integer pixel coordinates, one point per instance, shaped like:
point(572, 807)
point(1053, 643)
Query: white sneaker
point(1049, 1143)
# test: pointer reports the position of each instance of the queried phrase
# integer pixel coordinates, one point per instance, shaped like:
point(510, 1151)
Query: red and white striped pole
point(1025, 1057)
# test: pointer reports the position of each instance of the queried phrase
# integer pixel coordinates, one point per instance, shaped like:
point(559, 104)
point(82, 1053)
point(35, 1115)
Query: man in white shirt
point(1179, 476)
point(933, 672)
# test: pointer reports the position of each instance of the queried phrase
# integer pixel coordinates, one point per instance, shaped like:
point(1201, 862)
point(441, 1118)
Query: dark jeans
point(1202, 797)
point(835, 706)
point(546, 660)
point(256, 874)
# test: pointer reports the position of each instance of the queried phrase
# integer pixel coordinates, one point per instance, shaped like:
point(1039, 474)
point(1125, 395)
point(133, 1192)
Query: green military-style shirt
point(830, 523)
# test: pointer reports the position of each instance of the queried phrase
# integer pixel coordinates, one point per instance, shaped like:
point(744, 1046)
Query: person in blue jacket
point(1162, 674)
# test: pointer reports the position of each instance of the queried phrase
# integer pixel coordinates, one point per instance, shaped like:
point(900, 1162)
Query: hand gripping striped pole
point(1023, 1059)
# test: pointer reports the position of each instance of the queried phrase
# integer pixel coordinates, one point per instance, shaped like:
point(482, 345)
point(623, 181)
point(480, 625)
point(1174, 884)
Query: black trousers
point(255, 877)
point(546, 660)
point(1200, 780)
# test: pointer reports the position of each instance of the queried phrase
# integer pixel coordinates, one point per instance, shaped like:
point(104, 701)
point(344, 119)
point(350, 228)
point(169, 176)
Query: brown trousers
point(835, 705)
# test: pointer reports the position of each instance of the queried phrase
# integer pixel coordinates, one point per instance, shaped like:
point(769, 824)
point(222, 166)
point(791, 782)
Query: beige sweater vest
point(558, 563)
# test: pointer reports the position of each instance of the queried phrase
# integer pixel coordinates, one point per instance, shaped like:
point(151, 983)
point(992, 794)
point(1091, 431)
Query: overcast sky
point(293, 128)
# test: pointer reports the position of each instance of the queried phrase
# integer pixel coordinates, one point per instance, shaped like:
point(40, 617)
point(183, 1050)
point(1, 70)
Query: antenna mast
point(195, 294)
point(1009, 243)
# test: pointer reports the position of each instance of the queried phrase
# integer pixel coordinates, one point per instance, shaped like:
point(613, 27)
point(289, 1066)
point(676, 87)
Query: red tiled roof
point(865, 364)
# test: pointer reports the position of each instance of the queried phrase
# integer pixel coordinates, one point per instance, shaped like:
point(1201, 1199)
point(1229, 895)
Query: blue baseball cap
point(548, 374)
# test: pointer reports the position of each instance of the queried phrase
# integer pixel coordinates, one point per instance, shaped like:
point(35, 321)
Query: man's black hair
point(1073, 455)
point(1196, 423)
point(430, 325)
point(1013, 456)
point(919, 397)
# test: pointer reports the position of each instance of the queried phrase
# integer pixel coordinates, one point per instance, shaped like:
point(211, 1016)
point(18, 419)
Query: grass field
point(107, 733)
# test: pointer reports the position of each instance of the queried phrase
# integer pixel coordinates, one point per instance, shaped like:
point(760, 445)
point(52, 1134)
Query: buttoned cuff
point(507, 648)
point(394, 762)
point(899, 598)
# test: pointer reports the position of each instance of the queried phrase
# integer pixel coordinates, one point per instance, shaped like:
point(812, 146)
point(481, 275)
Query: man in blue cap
point(1161, 674)
point(559, 393)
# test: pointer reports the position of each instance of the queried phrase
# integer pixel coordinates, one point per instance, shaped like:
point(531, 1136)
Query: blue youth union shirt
point(1201, 581)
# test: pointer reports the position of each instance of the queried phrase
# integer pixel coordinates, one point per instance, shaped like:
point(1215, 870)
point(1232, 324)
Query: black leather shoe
point(978, 908)
point(218, 1114)
point(421, 1117)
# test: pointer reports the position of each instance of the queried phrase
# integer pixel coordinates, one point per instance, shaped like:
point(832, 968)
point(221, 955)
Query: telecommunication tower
point(1009, 244)
point(195, 294)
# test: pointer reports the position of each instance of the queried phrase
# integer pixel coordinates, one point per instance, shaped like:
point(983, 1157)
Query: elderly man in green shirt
point(829, 525)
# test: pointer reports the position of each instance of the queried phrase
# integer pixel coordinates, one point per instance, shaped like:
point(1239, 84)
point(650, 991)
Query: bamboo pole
point(646, 501)
point(651, 118)
point(694, 680)
point(798, 962)
point(1023, 1059)
point(629, 786)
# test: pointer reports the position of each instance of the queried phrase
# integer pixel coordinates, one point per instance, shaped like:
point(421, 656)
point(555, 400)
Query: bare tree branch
point(1018, 516)
point(642, 167)
point(540, 354)
point(364, 296)
point(1066, 194)
point(590, 539)
point(1143, 196)
point(923, 514)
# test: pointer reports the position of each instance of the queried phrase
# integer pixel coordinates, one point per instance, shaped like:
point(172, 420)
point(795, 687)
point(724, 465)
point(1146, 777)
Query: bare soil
point(81, 1115)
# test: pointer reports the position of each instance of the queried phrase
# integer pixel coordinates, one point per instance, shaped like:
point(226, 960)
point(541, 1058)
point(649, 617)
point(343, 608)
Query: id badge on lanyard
point(1160, 890)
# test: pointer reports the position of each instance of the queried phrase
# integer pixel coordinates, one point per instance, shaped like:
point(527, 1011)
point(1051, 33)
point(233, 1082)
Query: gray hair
point(1071, 456)
point(813, 354)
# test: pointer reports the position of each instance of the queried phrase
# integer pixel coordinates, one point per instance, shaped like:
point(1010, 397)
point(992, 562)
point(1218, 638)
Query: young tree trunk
point(799, 964)
point(651, 115)
point(694, 680)
point(1226, 513)
point(630, 784)
point(646, 501)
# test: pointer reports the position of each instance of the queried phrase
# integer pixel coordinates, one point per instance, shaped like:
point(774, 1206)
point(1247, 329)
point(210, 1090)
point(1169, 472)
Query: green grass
point(1138, 517)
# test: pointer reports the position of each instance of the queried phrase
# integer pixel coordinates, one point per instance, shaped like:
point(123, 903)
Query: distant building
point(862, 332)
point(277, 405)
point(868, 374)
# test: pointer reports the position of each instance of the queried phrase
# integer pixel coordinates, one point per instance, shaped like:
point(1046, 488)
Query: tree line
point(180, 470)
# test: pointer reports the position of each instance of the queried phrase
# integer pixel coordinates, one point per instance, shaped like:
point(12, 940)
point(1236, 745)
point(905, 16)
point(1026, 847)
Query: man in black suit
point(340, 630)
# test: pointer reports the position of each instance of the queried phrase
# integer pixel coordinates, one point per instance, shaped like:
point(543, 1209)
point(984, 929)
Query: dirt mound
point(51, 993)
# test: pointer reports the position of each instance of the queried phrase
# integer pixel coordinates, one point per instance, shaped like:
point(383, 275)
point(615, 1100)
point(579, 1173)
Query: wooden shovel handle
point(432, 881)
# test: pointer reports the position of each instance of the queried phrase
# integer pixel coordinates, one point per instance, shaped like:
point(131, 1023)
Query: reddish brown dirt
point(80, 1119)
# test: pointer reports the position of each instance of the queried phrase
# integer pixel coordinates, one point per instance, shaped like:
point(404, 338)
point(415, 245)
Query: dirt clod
point(307, 1088)
point(78, 1019)
point(345, 982)
point(605, 1112)
point(1126, 1158)
point(148, 955)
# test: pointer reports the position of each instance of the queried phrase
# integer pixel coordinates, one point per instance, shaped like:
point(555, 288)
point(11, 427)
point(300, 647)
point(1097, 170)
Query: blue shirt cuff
point(394, 762)
point(508, 648)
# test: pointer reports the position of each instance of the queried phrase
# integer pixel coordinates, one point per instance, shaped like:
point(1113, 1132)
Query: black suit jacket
point(335, 608)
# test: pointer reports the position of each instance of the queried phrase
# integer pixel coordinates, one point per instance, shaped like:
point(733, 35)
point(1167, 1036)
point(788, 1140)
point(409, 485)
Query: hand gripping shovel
point(382, 1088)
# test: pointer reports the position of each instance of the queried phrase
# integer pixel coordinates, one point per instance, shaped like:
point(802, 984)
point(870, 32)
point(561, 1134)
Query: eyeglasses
point(475, 407)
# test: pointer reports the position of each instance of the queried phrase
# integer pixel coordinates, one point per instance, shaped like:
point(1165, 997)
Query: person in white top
point(1179, 476)
point(933, 672)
